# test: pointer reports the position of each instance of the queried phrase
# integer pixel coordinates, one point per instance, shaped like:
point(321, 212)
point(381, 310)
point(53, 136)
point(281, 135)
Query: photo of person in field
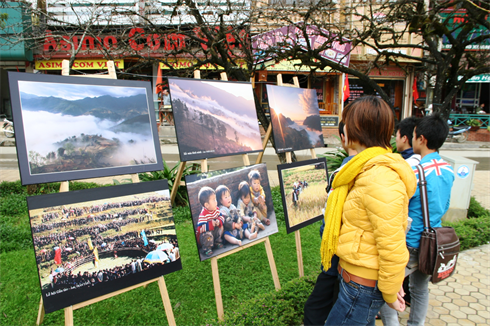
point(86, 247)
point(303, 192)
point(230, 208)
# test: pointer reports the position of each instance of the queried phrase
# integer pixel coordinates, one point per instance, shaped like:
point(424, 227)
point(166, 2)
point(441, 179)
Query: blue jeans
point(419, 292)
point(356, 305)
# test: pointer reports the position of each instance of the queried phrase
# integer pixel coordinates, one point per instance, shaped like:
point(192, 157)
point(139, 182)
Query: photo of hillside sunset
point(295, 118)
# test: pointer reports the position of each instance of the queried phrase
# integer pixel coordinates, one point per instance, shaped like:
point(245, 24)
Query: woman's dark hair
point(369, 121)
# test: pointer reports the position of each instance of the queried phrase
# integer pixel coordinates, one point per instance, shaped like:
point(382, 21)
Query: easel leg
point(135, 178)
point(272, 264)
point(217, 288)
point(64, 186)
point(69, 316)
point(299, 253)
point(264, 144)
point(40, 314)
point(166, 301)
point(313, 153)
point(177, 181)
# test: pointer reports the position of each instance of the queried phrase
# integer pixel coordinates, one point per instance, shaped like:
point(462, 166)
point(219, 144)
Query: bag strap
point(423, 196)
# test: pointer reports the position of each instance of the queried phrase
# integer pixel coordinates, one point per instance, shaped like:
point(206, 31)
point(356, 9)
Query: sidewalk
point(465, 298)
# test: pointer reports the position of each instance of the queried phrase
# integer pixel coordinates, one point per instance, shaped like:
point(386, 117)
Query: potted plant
point(475, 124)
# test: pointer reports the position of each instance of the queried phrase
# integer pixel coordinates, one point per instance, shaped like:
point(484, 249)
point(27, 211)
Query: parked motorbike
point(459, 133)
point(8, 128)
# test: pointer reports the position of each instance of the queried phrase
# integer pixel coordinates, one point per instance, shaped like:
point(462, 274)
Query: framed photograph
point(69, 128)
point(295, 118)
point(214, 118)
point(303, 192)
point(89, 243)
point(230, 208)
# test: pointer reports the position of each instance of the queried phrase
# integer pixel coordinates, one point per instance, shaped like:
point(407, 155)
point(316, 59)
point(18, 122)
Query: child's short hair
point(406, 127)
point(204, 195)
point(243, 189)
point(254, 175)
point(434, 128)
point(220, 191)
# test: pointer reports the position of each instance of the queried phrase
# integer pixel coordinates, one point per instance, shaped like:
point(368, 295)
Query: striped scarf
point(343, 182)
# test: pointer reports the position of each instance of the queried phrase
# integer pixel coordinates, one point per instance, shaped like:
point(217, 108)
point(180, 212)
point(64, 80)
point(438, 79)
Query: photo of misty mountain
point(75, 127)
point(214, 118)
point(295, 118)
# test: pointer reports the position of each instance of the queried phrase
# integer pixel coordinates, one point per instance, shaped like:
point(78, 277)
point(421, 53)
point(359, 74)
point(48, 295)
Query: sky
point(76, 91)
point(294, 103)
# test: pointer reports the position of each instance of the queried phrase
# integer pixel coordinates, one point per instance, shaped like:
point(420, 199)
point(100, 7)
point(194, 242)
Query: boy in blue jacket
point(428, 136)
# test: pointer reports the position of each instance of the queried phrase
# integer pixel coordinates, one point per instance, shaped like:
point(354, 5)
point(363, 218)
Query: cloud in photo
point(308, 100)
point(207, 104)
point(77, 91)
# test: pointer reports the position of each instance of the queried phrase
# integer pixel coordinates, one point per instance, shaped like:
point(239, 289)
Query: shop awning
point(79, 64)
point(483, 78)
point(184, 63)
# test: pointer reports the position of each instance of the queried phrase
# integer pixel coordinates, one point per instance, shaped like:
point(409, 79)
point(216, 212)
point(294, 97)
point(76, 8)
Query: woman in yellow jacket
point(366, 217)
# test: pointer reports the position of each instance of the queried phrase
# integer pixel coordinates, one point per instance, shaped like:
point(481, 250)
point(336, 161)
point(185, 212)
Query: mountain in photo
point(313, 122)
point(139, 124)
point(102, 107)
point(289, 135)
point(201, 132)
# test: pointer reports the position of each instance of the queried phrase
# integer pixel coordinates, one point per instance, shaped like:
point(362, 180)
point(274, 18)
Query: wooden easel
point(64, 188)
point(297, 234)
point(214, 260)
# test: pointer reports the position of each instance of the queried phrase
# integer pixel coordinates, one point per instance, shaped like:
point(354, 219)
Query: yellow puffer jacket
point(372, 237)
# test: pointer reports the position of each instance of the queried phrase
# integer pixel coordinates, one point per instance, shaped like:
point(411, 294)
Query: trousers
point(356, 305)
point(321, 300)
point(419, 301)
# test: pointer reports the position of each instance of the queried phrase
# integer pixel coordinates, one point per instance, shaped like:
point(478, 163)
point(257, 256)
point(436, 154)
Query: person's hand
point(401, 294)
point(399, 304)
point(261, 200)
point(216, 223)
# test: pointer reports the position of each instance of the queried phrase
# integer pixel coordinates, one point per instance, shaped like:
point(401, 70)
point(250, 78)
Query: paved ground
point(465, 298)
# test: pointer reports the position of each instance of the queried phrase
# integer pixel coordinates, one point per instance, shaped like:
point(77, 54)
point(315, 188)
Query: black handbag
point(439, 247)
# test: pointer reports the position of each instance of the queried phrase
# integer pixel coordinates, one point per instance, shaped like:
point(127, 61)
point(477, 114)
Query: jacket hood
point(400, 166)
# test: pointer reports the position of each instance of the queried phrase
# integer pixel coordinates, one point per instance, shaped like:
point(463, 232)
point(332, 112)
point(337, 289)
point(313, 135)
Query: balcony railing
point(130, 12)
point(462, 119)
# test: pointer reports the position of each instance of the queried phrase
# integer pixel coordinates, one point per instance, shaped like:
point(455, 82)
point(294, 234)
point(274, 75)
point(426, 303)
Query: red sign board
point(137, 41)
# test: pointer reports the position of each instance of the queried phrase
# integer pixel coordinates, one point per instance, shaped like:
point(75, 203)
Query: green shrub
point(15, 233)
point(283, 307)
point(13, 205)
point(476, 210)
point(170, 174)
point(472, 232)
point(7, 188)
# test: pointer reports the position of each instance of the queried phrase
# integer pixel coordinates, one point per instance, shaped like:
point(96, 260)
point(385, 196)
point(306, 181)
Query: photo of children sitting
point(230, 208)
point(237, 226)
